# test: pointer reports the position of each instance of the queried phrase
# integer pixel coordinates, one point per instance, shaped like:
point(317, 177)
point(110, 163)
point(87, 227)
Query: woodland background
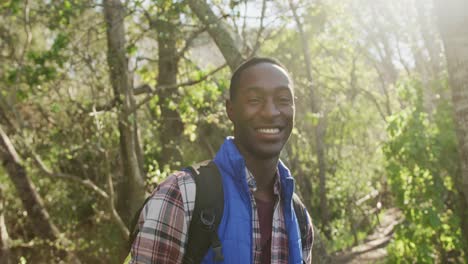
point(101, 100)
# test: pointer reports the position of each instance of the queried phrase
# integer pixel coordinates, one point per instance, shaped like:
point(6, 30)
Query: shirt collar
point(253, 184)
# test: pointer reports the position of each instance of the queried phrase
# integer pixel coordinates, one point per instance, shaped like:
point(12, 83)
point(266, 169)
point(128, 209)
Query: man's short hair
point(235, 79)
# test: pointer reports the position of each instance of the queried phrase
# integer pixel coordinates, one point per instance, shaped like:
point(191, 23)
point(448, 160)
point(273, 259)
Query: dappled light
point(101, 101)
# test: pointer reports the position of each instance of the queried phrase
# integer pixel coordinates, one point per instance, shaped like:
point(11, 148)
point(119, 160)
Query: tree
point(219, 31)
point(4, 237)
point(86, 111)
point(453, 21)
point(132, 191)
point(166, 24)
point(32, 202)
point(26, 190)
point(320, 128)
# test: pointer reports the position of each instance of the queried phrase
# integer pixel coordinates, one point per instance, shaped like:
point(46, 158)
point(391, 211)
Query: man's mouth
point(270, 131)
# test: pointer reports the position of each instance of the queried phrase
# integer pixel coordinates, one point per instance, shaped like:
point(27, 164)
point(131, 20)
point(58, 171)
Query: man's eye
point(285, 100)
point(254, 100)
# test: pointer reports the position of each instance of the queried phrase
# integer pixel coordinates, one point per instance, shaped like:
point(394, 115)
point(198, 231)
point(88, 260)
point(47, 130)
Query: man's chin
point(264, 153)
point(259, 150)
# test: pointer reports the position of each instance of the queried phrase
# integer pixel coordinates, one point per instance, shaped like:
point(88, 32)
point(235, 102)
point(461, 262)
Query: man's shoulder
point(173, 182)
point(300, 209)
point(181, 181)
point(196, 166)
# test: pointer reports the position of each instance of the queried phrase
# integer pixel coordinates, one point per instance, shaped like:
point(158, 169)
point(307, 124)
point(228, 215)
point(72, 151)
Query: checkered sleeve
point(164, 222)
point(308, 242)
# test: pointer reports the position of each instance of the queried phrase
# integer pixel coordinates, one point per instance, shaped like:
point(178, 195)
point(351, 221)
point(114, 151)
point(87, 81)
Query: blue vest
point(235, 229)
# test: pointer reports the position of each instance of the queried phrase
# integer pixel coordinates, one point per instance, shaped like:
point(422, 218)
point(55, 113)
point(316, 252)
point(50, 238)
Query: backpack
point(208, 212)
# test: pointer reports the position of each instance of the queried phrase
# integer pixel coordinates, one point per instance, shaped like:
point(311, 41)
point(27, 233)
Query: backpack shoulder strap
point(301, 215)
point(207, 214)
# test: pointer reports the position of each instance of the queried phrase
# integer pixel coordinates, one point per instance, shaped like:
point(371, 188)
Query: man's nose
point(270, 108)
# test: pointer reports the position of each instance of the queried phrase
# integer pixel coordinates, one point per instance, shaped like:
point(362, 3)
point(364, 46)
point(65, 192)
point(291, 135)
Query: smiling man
point(260, 222)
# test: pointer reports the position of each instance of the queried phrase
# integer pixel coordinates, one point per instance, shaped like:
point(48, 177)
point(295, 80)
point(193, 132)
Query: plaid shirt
point(165, 219)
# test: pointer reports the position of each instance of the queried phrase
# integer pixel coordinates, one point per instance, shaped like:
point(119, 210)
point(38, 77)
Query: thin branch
point(10, 148)
point(175, 86)
point(149, 18)
point(189, 40)
point(307, 59)
point(118, 220)
point(4, 236)
point(108, 106)
point(244, 23)
point(86, 183)
point(381, 78)
point(375, 101)
point(139, 58)
point(27, 29)
point(90, 185)
point(198, 68)
point(234, 21)
point(142, 89)
point(147, 89)
point(402, 61)
point(260, 30)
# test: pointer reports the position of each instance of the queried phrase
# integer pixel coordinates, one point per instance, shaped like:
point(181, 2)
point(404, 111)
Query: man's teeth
point(268, 130)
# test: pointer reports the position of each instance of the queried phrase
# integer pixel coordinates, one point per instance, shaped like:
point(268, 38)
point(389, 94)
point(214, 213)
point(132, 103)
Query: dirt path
point(373, 249)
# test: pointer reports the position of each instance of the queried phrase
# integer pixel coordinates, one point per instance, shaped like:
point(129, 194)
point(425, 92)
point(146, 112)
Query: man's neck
point(264, 172)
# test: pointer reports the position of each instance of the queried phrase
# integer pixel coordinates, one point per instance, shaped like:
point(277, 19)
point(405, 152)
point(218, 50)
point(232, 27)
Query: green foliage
point(13, 6)
point(201, 108)
point(54, 79)
point(40, 67)
point(352, 126)
point(62, 12)
point(421, 166)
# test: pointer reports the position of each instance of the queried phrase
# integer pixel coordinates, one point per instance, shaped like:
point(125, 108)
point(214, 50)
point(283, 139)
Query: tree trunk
point(131, 191)
point(37, 213)
point(219, 31)
point(4, 238)
point(171, 126)
point(320, 128)
point(32, 202)
point(302, 179)
point(428, 35)
point(453, 25)
point(463, 214)
point(319, 250)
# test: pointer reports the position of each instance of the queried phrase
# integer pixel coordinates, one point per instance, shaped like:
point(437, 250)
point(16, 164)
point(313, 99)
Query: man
point(258, 224)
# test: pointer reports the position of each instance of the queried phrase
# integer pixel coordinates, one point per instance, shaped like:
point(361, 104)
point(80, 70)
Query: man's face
point(262, 111)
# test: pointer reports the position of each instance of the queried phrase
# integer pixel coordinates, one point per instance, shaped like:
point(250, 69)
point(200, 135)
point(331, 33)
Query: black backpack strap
point(301, 215)
point(207, 214)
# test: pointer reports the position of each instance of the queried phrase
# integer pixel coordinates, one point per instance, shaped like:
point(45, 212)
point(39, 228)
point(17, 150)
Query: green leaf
point(131, 50)
point(55, 108)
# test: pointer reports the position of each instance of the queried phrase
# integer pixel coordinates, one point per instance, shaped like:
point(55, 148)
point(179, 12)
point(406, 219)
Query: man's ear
point(229, 109)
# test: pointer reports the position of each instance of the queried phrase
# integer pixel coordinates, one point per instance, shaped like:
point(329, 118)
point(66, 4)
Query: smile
point(271, 131)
